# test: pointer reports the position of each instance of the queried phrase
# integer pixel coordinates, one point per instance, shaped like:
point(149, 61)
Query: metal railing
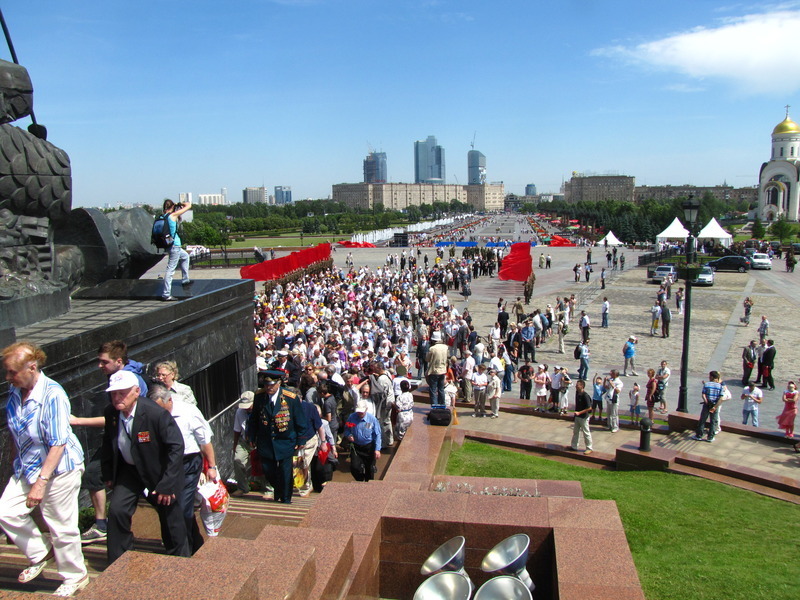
point(649, 258)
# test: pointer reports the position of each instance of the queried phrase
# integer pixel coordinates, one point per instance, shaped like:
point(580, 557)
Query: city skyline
point(152, 99)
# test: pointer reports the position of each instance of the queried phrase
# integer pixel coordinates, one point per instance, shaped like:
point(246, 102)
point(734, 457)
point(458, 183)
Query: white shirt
point(194, 428)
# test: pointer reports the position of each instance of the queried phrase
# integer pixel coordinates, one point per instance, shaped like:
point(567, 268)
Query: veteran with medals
point(277, 428)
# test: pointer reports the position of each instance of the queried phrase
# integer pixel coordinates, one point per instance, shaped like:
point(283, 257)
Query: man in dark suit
point(768, 360)
point(277, 428)
point(142, 450)
point(502, 318)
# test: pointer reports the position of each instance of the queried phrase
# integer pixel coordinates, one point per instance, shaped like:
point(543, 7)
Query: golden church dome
point(786, 126)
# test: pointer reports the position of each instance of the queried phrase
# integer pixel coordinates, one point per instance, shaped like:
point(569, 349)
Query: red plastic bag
point(256, 470)
point(215, 505)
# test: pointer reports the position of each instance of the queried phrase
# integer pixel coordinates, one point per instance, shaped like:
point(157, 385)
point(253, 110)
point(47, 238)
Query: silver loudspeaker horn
point(509, 557)
point(445, 586)
point(449, 557)
point(504, 587)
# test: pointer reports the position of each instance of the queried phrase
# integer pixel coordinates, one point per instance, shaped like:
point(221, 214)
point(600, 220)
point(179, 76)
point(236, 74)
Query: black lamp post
point(691, 207)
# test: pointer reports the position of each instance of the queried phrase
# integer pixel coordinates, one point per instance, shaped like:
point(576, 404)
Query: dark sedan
point(730, 263)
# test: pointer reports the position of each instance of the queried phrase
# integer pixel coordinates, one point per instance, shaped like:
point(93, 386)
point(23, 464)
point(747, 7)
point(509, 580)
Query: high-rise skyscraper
point(476, 168)
point(375, 168)
point(254, 195)
point(283, 194)
point(428, 161)
point(530, 189)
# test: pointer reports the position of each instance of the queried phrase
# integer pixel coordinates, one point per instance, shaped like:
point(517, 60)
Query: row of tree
point(631, 222)
point(214, 225)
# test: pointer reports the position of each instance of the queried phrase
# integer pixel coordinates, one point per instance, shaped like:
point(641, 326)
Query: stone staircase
point(247, 517)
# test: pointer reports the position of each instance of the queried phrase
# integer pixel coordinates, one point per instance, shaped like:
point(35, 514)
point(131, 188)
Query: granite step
point(247, 517)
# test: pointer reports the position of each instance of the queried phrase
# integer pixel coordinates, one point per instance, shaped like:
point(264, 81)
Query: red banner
point(557, 240)
point(277, 268)
point(349, 244)
point(518, 264)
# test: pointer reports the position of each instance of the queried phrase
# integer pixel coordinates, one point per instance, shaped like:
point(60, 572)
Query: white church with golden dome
point(779, 182)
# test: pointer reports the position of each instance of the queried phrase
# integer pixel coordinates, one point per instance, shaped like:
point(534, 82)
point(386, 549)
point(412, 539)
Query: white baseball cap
point(122, 380)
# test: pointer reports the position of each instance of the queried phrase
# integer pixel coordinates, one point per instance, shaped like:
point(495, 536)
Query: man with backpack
point(169, 239)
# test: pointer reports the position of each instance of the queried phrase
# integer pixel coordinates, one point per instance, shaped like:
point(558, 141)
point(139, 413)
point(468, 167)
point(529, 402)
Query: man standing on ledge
point(583, 408)
point(173, 213)
point(142, 450)
point(437, 367)
point(363, 432)
point(277, 428)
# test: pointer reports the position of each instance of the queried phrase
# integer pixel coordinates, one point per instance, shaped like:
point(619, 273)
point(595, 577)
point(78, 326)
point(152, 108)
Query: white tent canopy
point(610, 239)
point(714, 231)
point(675, 231)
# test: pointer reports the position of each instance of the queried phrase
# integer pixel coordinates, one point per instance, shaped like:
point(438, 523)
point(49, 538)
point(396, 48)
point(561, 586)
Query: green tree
point(758, 230)
point(782, 229)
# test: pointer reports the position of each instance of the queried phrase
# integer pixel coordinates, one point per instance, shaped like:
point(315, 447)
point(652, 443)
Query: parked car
point(705, 277)
point(733, 262)
point(775, 245)
point(662, 272)
point(760, 261)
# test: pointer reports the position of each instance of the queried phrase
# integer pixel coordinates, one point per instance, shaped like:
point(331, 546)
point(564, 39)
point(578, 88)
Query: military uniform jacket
point(277, 430)
point(156, 447)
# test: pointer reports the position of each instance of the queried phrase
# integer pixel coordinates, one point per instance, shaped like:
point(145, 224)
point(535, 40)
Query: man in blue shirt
point(363, 432)
point(712, 398)
point(528, 334)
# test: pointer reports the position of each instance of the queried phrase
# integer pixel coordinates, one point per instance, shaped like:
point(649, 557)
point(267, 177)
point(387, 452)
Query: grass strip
point(690, 538)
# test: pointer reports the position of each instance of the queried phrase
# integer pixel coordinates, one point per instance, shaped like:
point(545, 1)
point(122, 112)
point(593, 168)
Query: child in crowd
point(597, 397)
point(634, 403)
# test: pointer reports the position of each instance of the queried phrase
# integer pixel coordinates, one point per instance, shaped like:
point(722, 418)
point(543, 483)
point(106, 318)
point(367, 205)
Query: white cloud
point(755, 52)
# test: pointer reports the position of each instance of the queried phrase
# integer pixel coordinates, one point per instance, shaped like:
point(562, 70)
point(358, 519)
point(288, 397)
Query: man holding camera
point(173, 213)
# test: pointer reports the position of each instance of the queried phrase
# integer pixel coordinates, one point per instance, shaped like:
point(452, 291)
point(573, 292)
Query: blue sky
point(153, 98)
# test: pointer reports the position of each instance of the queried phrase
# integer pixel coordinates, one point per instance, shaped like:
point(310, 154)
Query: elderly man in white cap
point(363, 432)
point(142, 451)
point(437, 368)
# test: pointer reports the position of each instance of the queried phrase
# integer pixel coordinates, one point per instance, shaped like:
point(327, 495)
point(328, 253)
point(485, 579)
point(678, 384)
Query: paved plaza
point(716, 343)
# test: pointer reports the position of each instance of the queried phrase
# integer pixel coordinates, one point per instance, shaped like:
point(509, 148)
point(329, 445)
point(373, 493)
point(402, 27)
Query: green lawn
point(288, 239)
point(690, 538)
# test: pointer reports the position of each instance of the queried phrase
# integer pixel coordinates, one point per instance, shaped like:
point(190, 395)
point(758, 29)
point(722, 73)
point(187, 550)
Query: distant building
point(283, 194)
point(220, 199)
point(594, 188)
point(185, 197)
point(255, 195)
point(779, 179)
point(399, 196)
point(375, 168)
point(530, 189)
point(429, 161)
point(722, 192)
point(476, 168)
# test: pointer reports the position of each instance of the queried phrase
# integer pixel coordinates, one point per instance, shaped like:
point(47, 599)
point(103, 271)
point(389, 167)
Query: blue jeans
point(176, 255)
point(750, 413)
point(583, 370)
point(705, 413)
point(508, 377)
point(436, 388)
point(605, 320)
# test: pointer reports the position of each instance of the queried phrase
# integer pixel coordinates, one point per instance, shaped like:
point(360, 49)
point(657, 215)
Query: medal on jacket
point(282, 418)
